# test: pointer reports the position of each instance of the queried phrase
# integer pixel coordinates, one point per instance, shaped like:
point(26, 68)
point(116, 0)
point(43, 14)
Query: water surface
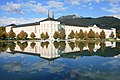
point(61, 60)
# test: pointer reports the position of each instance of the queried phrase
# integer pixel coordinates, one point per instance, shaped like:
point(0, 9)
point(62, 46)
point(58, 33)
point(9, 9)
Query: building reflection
point(56, 49)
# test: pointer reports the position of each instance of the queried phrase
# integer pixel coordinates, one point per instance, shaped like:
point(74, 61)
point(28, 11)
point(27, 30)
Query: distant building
point(51, 25)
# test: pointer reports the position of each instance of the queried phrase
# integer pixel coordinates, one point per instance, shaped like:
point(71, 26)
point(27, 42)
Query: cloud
point(7, 20)
point(35, 7)
point(114, 1)
point(114, 8)
point(77, 2)
point(56, 6)
point(12, 7)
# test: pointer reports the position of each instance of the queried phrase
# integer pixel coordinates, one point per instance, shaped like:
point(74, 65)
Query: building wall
point(51, 26)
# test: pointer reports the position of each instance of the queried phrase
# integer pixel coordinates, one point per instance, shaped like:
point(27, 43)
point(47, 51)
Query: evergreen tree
point(102, 34)
point(81, 34)
point(62, 34)
point(76, 35)
point(11, 34)
point(42, 36)
point(91, 34)
point(85, 35)
point(2, 29)
point(22, 35)
point(46, 36)
point(96, 35)
point(71, 35)
point(4, 35)
point(32, 35)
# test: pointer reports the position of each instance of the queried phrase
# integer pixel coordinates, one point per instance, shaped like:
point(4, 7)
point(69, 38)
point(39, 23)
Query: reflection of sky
point(85, 68)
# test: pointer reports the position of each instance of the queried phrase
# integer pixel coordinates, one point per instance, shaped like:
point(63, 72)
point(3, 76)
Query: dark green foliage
point(118, 34)
point(102, 46)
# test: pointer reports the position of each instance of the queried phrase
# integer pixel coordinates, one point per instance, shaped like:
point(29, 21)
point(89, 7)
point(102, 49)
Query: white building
point(51, 52)
point(51, 25)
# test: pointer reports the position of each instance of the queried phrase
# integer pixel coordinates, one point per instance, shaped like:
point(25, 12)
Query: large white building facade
point(50, 25)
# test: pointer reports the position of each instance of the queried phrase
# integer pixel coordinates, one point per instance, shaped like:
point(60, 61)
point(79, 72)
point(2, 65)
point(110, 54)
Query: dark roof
point(49, 19)
point(11, 25)
point(32, 24)
point(29, 24)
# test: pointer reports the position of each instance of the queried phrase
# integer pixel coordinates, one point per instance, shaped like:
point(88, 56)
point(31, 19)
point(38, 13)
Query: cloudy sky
point(25, 11)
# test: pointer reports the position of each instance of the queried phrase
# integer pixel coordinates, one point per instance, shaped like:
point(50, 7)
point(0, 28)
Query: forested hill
point(106, 21)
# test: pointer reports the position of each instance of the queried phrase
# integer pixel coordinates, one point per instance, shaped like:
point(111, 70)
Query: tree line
point(57, 35)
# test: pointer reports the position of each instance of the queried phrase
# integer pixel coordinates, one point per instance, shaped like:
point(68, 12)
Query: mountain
point(103, 22)
point(72, 16)
point(116, 16)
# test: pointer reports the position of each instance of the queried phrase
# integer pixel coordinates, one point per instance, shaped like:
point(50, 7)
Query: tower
point(53, 14)
point(48, 14)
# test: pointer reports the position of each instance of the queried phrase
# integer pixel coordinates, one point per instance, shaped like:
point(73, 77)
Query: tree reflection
point(91, 46)
point(3, 46)
point(81, 46)
point(12, 46)
point(62, 45)
point(56, 44)
point(118, 46)
point(96, 42)
point(22, 45)
point(45, 44)
point(32, 45)
point(72, 45)
point(85, 43)
point(102, 46)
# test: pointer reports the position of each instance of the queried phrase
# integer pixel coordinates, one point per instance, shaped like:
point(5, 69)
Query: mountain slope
point(106, 21)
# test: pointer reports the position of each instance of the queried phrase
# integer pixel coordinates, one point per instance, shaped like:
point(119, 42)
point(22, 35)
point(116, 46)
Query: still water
point(63, 60)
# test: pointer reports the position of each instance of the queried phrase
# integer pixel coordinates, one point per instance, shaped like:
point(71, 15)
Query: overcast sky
point(26, 11)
